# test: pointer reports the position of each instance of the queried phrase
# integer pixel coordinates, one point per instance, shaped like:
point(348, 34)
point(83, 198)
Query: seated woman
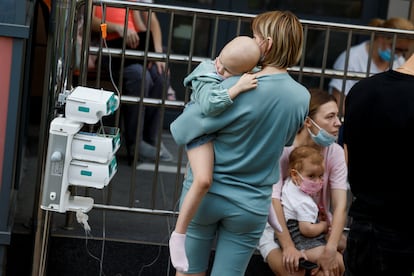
point(320, 130)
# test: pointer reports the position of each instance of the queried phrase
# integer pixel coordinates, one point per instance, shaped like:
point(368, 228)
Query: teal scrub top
point(251, 135)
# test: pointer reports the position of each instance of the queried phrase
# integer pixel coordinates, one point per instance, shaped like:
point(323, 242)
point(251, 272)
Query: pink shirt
point(335, 176)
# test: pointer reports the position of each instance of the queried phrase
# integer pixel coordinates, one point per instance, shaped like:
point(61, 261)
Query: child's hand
point(247, 82)
point(322, 214)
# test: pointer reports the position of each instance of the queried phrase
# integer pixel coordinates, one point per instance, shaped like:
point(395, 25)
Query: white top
point(298, 205)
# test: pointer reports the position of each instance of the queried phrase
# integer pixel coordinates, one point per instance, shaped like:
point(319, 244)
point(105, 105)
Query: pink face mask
point(310, 187)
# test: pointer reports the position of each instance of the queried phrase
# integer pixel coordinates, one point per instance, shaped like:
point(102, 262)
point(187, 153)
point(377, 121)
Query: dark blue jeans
point(154, 83)
point(379, 250)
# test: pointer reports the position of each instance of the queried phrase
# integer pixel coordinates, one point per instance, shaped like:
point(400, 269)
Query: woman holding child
point(249, 139)
point(320, 130)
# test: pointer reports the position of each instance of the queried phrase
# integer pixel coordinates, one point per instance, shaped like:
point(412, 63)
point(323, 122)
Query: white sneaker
point(149, 153)
point(165, 155)
point(171, 94)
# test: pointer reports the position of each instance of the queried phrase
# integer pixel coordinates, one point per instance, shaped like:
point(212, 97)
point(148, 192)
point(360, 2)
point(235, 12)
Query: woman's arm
point(328, 260)
point(339, 217)
point(346, 153)
point(155, 29)
point(338, 194)
point(138, 21)
point(291, 255)
point(156, 32)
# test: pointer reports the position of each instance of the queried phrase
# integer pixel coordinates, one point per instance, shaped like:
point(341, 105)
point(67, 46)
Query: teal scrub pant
point(237, 230)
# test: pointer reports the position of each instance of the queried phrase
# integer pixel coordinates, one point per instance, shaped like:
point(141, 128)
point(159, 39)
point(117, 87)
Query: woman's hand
point(328, 263)
point(132, 38)
point(160, 67)
point(291, 258)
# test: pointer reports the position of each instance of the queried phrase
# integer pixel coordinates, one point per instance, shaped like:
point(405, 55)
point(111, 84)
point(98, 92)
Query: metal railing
point(321, 37)
point(150, 191)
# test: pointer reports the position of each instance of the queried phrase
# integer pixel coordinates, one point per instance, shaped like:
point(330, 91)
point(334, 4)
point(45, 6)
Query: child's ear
point(293, 173)
point(294, 176)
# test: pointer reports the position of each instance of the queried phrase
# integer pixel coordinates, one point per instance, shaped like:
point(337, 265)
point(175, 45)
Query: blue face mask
point(323, 138)
point(385, 55)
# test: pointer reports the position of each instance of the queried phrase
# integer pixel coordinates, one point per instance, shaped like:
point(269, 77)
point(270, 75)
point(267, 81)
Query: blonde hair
point(286, 31)
point(301, 153)
point(376, 22)
point(398, 23)
point(392, 23)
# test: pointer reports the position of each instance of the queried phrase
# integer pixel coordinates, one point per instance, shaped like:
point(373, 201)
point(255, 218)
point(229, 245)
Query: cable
point(170, 229)
point(151, 263)
point(102, 127)
point(82, 218)
point(104, 28)
point(166, 239)
point(87, 235)
point(103, 242)
point(159, 251)
point(110, 71)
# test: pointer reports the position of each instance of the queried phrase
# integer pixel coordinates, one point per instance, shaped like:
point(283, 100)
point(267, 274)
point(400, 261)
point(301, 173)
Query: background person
point(250, 136)
point(379, 115)
point(380, 56)
point(320, 130)
point(133, 74)
point(238, 56)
